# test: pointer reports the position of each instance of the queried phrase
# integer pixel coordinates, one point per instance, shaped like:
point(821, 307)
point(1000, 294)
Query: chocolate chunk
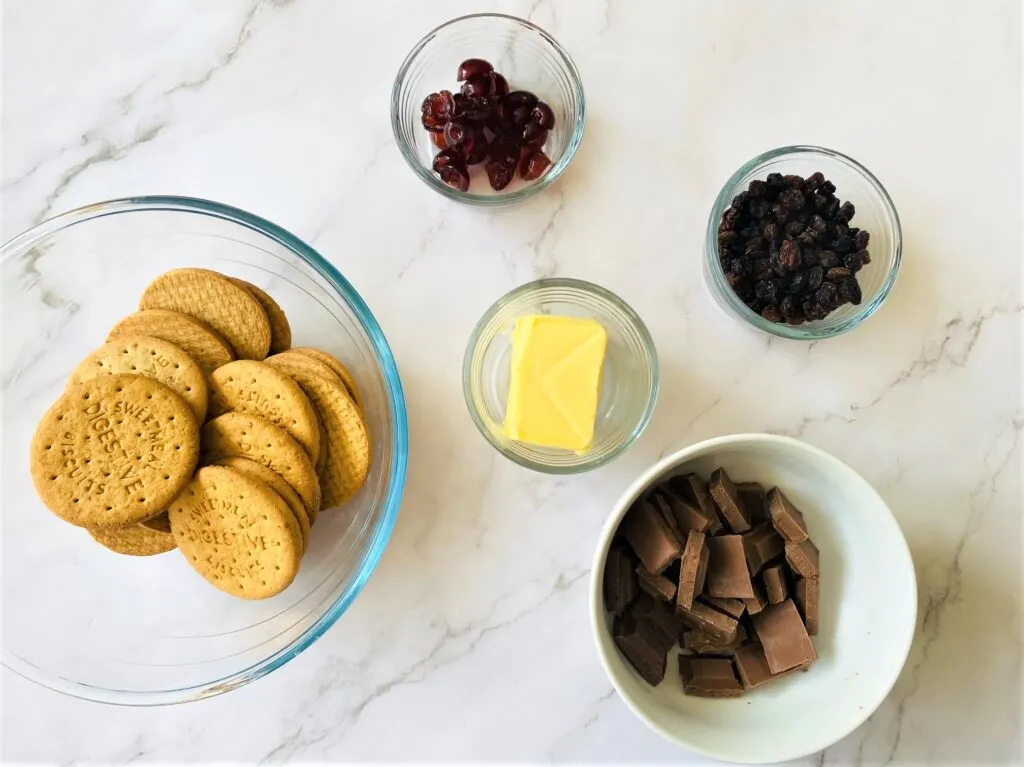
point(639, 642)
point(709, 677)
point(662, 506)
point(693, 569)
point(723, 491)
point(775, 584)
point(658, 586)
point(651, 537)
point(702, 644)
point(808, 595)
point(803, 558)
point(688, 515)
point(693, 488)
point(664, 619)
point(620, 581)
point(758, 603)
point(728, 575)
point(786, 518)
point(784, 637)
point(752, 666)
point(716, 625)
point(762, 544)
point(752, 497)
point(731, 607)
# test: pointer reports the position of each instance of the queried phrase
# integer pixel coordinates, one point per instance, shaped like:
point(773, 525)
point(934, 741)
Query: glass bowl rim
point(485, 200)
point(603, 295)
point(399, 449)
point(712, 269)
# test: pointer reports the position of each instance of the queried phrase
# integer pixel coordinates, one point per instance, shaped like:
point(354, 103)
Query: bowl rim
point(597, 615)
point(397, 414)
point(602, 294)
point(489, 200)
point(728, 300)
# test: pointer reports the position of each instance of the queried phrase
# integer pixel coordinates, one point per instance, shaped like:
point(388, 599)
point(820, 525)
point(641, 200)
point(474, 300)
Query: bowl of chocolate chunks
point(753, 598)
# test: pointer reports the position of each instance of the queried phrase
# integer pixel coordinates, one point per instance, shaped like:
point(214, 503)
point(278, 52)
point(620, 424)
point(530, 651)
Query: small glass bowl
point(875, 213)
point(528, 57)
point(629, 379)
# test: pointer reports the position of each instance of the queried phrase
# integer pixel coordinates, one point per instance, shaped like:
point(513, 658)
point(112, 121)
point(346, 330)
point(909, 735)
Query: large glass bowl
point(148, 630)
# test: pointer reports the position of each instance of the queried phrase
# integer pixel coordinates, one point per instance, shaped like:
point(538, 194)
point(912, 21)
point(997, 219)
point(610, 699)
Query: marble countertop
point(281, 107)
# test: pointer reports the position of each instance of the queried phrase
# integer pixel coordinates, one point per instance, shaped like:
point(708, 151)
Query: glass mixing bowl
point(84, 621)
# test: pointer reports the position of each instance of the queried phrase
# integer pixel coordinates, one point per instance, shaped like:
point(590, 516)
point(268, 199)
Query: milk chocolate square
point(693, 488)
point(620, 581)
point(658, 586)
point(718, 626)
point(723, 491)
point(688, 515)
point(803, 558)
point(658, 501)
point(762, 544)
point(752, 666)
point(752, 496)
point(650, 536)
point(703, 644)
point(775, 584)
point(808, 596)
point(759, 601)
point(728, 575)
point(786, 517)
point(784, 637)
point(639, 642)
point(693, 569)
point(732, 607)
point(709, 677)
point(661, 615)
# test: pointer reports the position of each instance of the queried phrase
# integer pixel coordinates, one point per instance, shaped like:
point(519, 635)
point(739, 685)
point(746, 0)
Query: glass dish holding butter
point(560, 375)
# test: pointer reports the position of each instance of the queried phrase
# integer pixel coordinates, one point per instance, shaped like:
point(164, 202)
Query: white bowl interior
point(868, 611)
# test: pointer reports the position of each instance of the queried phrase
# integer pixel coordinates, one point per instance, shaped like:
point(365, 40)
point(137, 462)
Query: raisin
point(792, 199)
point(837, 273)
point(758, 208)
point(814, 277)
point(755, 245)
point(726, 238)
point(861, 240)
point(791, 311)
point(810, 257)
point(814, 181)
point(768, 291)
point(843, 244)
point(740, 200)
point(762, 269)
point(816, 225)
point(827, 295)
point(854, 261)
point(757, 188)
point(741, 266)
point(789, 255)
point(828, 259)
point(770, 231)
point(730, 218)
point(832, 208)
point(775, 181)
point(849, 290)
point(793, 228)
point(781, 213)
point(827, 187)
point(749, 231)
point(819, 201)
point(772, 314)
point(794, 182)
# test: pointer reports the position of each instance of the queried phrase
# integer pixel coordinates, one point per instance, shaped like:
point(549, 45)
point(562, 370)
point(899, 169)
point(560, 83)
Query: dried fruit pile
point(485, 123)
point(788, 250)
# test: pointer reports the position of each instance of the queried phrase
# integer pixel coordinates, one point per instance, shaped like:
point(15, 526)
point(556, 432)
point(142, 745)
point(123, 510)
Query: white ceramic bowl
point(868, 611)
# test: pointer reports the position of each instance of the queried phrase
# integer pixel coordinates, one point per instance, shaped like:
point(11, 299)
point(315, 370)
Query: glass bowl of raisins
point(803, 242)
point(488, 109)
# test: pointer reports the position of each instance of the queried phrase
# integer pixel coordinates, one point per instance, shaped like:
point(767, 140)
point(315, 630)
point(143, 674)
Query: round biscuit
point(114, 451)
point(252, 436)
point(294, 360)
point(195, 338)
point(248, 386)
point(280, 330)
point(338, 368)
point(135, 541)
point(161, 523)
point(348, 444)
point(236, 533)
point(150, 357)
point(275, 482)
point(212, 298)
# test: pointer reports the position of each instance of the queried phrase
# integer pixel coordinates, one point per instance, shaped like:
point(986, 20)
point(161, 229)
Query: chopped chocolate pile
point(726, 571)
point(788, 251)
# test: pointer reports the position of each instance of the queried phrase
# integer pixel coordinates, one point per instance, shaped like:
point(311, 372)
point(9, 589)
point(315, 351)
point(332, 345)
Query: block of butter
point(556, 380)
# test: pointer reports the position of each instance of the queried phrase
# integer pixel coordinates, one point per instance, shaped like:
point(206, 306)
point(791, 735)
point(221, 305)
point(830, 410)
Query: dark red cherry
point(532, 164)
point(456, 178)
point(477, 152)
point(476, 109)
point(499, 173)
point(433, 124)
point(438, 105)
point(455, 133)
point(521, 99)
point(499, 85)
point(448, 158)
point(543, 116)
point(533, 135)
point(477, 87)
point(521, 115)
point(474, 68)
point(438, 139)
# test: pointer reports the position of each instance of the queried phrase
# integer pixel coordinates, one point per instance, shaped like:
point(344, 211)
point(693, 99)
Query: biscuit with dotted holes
point(252, 436)
point(339, 369)
point(136, 541)
point(193, 337)
point(275, 482)
point(150, 357)
point(295, 360)
point(248, 386)
point(348, 444)
point(280, 330)
point(237, 533)
point(161, 523)
point(114, 451)
point(210, 297)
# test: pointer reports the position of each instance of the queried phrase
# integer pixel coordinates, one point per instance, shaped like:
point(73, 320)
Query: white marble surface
point(471, 641)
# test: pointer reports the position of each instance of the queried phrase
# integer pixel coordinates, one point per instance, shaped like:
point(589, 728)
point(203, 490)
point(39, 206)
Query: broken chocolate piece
point(658, 586)
point(784, 637)
point(660, 615)
point(716, 625)
point(688, 515)
point(662, 506)
point(709, 677)
point(803, 558)
point(732, 607)
point(693, 569)
point(693, 488)
point(758, 603)
point(702, 644)
point(639, 642)
point(808, 597)
point(775, 584)
point(752, 497)
point(620, 581)
point(728, 575)
point(752, 666)
point(786, 518)
point(651, 537)
point(762, 544)
point(723, 491)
